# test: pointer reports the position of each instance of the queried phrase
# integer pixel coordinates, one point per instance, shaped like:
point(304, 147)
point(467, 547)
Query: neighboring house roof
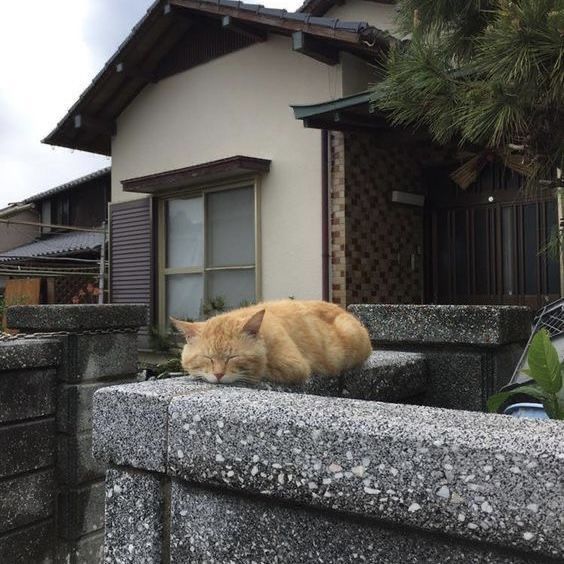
point(58, 244)
point(15, 208)
point(321, 7)
point(90, 122)
point(68, 185)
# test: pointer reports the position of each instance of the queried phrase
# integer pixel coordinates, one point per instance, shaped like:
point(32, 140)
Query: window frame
point(200, 191)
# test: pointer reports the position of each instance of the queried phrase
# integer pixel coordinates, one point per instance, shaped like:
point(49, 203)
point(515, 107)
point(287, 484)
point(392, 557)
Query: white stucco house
point(218, 189)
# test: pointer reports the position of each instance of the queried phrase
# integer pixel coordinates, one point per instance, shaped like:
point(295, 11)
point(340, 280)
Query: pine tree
point(486, 74)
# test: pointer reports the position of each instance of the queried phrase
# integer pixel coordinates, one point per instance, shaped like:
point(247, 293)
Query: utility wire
point(55, 258)
point(52, 226)
point(27, 274)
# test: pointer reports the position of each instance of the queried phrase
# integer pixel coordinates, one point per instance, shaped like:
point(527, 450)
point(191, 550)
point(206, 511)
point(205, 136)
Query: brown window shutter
point(132, 255)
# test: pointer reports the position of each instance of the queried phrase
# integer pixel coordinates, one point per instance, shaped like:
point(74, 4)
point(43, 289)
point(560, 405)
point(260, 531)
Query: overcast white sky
point(49, 53)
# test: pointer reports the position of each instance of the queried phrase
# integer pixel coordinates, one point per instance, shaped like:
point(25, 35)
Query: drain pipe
point(325, 214)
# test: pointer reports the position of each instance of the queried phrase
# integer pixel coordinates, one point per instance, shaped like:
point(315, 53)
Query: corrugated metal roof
point(68, 185)
point(56, 244)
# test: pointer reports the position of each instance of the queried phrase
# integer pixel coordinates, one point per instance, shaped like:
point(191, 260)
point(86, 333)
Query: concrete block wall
point(28, 381)
point(223, 474)
point(470, 351)
point(95, 346)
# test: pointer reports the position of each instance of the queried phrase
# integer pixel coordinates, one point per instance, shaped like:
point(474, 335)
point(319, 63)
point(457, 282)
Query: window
point(208, 250)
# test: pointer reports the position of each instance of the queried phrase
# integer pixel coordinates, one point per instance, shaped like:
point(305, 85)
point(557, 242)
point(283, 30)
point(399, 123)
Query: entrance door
point(491, 252)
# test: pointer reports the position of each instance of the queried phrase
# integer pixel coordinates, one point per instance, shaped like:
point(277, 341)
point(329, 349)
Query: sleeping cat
point(283, 342)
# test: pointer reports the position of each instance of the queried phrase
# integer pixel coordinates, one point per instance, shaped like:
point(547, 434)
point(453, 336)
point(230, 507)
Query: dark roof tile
point(68, 185)
point(54, 245)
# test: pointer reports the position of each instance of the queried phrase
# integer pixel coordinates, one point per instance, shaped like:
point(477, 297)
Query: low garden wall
point(51, 488)
point(191, 465)
point(202, 473)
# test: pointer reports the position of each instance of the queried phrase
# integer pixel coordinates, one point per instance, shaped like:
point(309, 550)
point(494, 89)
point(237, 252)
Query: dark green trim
point(317, 110)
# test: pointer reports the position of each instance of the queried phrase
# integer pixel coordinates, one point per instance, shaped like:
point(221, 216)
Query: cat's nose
point(219, 375)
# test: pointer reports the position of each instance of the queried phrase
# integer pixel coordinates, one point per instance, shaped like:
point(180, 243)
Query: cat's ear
point(189, 329)
point(252, 326)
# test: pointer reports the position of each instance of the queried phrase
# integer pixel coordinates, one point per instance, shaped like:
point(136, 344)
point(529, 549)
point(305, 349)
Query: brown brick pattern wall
point(337, 210)
point(376, 245)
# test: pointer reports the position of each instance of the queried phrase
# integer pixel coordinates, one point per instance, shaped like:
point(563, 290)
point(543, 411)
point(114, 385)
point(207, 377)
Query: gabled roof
point(68, 185)
point(59, 244)
point(90, 122)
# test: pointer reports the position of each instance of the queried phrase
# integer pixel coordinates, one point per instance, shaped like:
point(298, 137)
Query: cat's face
point(222, 350)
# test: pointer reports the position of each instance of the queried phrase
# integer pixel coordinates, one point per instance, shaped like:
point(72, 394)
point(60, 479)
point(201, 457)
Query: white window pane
point(185, 232)
point(231, 227)
point(184, 295)
point(235, 286)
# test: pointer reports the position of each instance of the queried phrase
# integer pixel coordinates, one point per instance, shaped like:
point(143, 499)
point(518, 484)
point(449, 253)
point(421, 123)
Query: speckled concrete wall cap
point(387, 376)
point(483, 477)
point(129, 422)
point(446, 324)
point(75, 317)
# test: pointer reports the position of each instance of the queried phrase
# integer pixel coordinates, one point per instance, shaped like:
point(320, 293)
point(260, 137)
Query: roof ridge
point(67, 185)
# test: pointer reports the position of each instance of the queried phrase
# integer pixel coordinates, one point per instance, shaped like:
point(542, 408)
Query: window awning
point(213, 171)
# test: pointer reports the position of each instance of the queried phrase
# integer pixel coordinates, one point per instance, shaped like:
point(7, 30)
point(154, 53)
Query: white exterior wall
point(357, 75)
point(239, 105)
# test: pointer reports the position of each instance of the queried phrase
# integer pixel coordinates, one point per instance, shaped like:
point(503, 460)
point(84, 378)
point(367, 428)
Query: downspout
point(560, 209)
point(325, 214)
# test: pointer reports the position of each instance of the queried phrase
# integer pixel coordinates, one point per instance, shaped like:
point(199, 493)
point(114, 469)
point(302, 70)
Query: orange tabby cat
point(284, 342)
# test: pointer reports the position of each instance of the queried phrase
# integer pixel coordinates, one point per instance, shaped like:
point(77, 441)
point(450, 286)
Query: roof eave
point(97, 139)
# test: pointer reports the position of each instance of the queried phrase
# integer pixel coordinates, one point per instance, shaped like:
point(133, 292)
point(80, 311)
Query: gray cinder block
point(25, 394)
point(98, 357)
point(75, 463)
point(81, 510)
point(35, 543)
point(74, 407)
point(29, 353)
point(26, 499)
point(27, 446)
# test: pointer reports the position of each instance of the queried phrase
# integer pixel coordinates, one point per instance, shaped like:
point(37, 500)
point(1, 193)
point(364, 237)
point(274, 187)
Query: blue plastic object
point(527, 410)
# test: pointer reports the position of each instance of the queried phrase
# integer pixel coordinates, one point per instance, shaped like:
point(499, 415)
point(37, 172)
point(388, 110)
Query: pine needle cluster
point(482, 73)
